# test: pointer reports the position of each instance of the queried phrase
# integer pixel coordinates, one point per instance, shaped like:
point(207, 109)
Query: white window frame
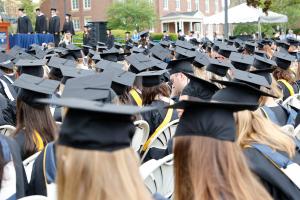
point(189, 5)
point(166, 27)
point(75, 24)
point(197, 4)
point(178, 5)
point(87, 8)
point(207, 6)
point(87, 19)
point(72, 5)
point(166, 4)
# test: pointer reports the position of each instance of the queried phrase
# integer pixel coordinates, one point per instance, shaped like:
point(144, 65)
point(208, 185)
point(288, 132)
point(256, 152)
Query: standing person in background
point(181, 35)
point(40, 22)
point(24, 23)
point(110, 39)
point(86, 35)
point(54, 26)
point(135, 36)
point(68, 25)
point(166, 36)
point(1, 18)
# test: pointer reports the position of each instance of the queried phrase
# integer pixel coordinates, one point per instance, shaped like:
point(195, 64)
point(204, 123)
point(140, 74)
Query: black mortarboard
point(250, 46)
point(201, 59)
point(181, 65)
point(105, 64)
point(263, 62)
point(38, 9)
point(238, 43)
point(267, 42)
point(7, 64)
point(32, 67)
point(139, 62)
point(260, 53)
point(71, 72)
point(68, 14)
point(21, 9)
point(127, 32)
point(225, 50)
point(151, 44)
point(95, 125)
point(283, 44)
point(157, 64)
point(92, 87)
point(137, 50)
point(33, 88)
point(121, 80)
point(293, 41)
point(144, 33)
point(241, 61)
point(153, 78)
point(199, 88)
point(118, 45)
point(101, 43)
point(184, 53)
point(5, 57)
point(61, 51)
point(74, 50)
point(218, 67)
point(184, 44)
point(283, 60)
point(54, 9)
point(96, 58)
point(56, 62)
point(160, 52)
point(165, 43)
point(265, 73)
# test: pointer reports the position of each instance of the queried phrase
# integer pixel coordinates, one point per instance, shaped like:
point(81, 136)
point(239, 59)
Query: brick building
point(173, 14)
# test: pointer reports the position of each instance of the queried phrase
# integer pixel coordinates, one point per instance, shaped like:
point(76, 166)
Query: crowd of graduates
point(74, 109)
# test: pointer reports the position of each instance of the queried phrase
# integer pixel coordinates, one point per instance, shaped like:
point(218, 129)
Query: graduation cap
point(218, 67)
point(199, 88)
point(260, 53)
point(267, 42)
point(96, 58)
point(238, 43)
point(127, 32)
point(54, 9)
point(5, 57)
point(68, 14)
point(241, 61)
point(184, 44)
point(263, 62)
point(250, 46)
point(157, 64)
point(101, 43)
point(95, 125)
point(160, 52)
point(139, 62)
point(265, 73)
point(121, 80)
point(144, 34)
point(293, 41)
point(137, 50)
point(61, 51)
point(7, 64)
point(118, 45)
point(184, 53)
point(201, 59)
point(32, 67)
point(33, 88)
point(105, 64)
point(154, 78)
point(283, 60)
point(151, 44)
point(71, 72)
point(21, 9)
point(56, 62)
point(283, 44)
point(92, 87)
point(225, 50)
point(74, 51)
point(102, 48)
point(39, 53)
point(111, 55)
point(181, 65)
point(165, 43)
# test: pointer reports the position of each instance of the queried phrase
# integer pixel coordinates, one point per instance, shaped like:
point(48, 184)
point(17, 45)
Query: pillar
point(191, 26)
point(176, 28)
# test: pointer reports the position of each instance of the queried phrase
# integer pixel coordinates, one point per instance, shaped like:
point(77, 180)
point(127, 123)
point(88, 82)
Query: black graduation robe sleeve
point(275, 182)
point(29, 25)
point(24, 25)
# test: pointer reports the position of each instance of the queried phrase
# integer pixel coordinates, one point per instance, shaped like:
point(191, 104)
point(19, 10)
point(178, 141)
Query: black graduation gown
point(286, 92)
point(68, 27)
point(86, 39)
point(9, 85)
point(110, 41)
point(156, 117)
point(24, 25)
point(7, 111)
point(41, 24)
point(54, 25)
point(21, 180)
point(275, 182)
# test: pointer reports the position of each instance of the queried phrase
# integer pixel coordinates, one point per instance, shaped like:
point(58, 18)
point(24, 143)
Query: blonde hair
point(98, 175)
point(207, 168)
point(252, 127)
point(275, 91)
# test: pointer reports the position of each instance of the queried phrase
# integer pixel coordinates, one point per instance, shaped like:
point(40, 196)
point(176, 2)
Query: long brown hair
point(149, 93)
point(253, 127)
point(98, 175)
point(287, 75)
point(29, 120)
point(206, 168)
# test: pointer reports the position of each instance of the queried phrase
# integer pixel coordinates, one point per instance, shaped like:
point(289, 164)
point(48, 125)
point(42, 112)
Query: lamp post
point(226, 20)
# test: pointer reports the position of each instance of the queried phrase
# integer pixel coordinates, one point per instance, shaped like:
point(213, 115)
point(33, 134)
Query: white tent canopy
point(244, 14)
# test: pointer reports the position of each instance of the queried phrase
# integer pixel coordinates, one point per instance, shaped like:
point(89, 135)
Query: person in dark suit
point(166, 36)
point(54, 26)
point(24, 23)
point(40, 22)
point(68, 25)
point(110, 39)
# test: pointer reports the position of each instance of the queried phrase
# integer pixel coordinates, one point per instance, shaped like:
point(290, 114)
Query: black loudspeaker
point(99, 29)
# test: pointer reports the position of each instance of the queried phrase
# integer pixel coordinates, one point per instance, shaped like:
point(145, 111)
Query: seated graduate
point(93, 88)
point(204, 143)
point(255, 137)
point(283, 74)
point(35, 125)
point(13, 182)
point(84, 151)
point(7, 78)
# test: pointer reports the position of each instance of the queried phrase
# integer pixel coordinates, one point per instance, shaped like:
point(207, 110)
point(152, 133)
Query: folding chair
point(7, 130)
point(28, 164)
point(158, 176)
point(35, 197)
point(160, 141)
point(140, 136)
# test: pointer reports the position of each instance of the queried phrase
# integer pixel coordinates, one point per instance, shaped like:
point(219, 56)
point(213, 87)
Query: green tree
point(131, 14)
point(29, 8)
